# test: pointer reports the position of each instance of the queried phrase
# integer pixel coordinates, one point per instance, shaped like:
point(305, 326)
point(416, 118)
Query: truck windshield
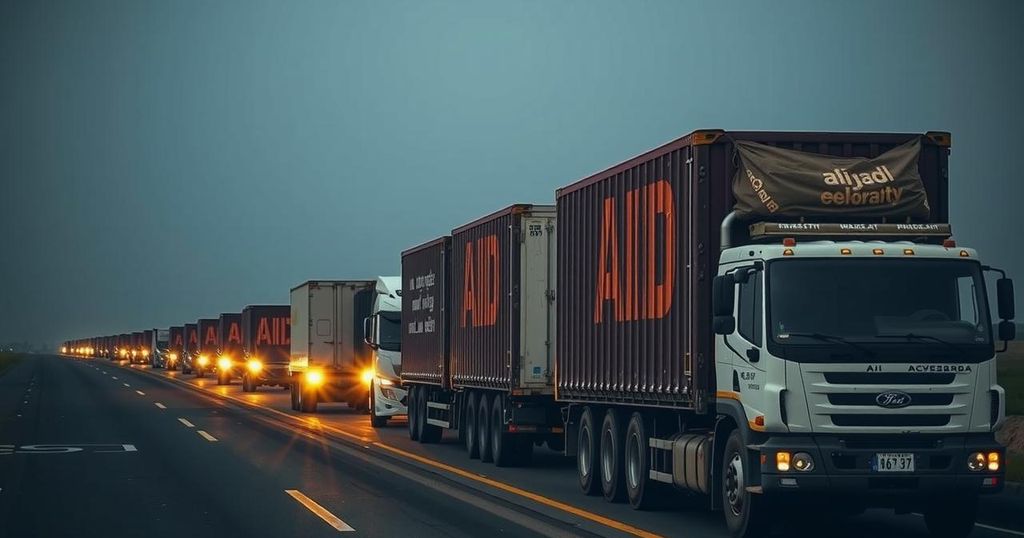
point(390, 330)
point(901, 308)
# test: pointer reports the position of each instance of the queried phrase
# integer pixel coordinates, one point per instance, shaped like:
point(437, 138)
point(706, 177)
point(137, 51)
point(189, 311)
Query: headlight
point(224, 363)
point(254, 365)
point(385, 382)
point(993, 461)
point(315, 377)
point(782, 461)
point(172, 357)
point(368, 376)
point(802, 461)
point(976, 461)
point(145, 352)
point(203, 360)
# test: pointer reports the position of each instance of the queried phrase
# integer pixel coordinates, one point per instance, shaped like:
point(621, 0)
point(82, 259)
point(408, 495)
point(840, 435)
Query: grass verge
point(8, 360)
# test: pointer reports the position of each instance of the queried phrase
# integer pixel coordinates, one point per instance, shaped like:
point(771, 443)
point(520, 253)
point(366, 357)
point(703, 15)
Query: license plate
point(893, 462)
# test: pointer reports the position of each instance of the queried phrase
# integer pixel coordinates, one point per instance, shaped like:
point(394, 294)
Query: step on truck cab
point(780, 321)
point(478, 335)
point(329, 360)
point(266, 342)
point(230, 356)
point(382, 331)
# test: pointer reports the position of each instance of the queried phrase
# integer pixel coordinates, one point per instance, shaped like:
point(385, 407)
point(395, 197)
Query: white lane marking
point(989, 527)
point(112, 377)
point(320, 511)
point(206, 436)
point(140, 393)
point(187, 423)
point(160, 405)
point(130, 448)
point(126, 384)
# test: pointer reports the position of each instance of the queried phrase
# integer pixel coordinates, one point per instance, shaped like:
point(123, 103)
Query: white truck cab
point(382, 331)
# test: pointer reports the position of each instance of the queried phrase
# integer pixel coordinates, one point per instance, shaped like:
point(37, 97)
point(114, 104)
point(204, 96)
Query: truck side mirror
point(723, 295)
point(1004, 296)
point(368, 332)
point(1007, 330)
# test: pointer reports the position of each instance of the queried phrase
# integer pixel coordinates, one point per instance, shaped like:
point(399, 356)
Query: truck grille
point(890, 420)
point(869, 399)
point(887, 378)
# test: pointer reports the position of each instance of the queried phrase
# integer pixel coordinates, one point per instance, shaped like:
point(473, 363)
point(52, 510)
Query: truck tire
point(469, 422)
point(503, 445)
point(643, 493)
point(483, 428)
point(951, 518)
point(429, 433)
point(223, 378)
point(307, 401)
point(746, 514)
point(375, 421)
point(293, 388)
point(200, 373)
point(613, 469)
point(414, 411)
point(586, 453)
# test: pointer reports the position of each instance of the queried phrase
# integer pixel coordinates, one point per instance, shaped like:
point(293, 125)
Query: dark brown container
point(137, 341)
point(426, 286)
point(209, 337)
point(653, 346)
point(229, 329)
point(147, 341)
point(485, 299)
point(191, 338)
point(266, 333)
point(176, 340)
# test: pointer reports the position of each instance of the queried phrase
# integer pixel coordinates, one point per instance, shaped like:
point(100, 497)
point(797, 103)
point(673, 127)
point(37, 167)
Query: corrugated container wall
point(147, 340)
point(191, 338)
point(425, 312)
point(266, 332)
point(486, 344)
point(209, 337)
point(230, 330)
point(176, 340)
point(638, 249)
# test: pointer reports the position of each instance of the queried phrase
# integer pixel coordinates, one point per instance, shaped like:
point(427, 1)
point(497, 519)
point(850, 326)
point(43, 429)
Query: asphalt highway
point(97, 448)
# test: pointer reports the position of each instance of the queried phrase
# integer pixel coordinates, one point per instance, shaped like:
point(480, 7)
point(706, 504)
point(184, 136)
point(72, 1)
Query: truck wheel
point(586, 453)
point(642, 491)
point(745, 513)
point(223, 378)
point(200, 373)
point(483, 429)
point(503, 445)
point(307, 401)
point(951, 518)
point(375, 421)
point(429, 433)
point(469, 422)
point(293, 388)
point(613, 472)
point(413, 412)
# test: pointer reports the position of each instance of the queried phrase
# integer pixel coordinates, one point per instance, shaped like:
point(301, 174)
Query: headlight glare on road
point(315, 377)
point(203, 360)
point(976, 461)
point(224, 363)
point(254, 365)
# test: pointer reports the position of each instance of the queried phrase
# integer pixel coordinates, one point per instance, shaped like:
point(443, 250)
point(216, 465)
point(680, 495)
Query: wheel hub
point(735, 487)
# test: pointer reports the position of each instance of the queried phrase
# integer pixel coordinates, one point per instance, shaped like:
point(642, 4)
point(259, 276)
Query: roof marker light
point(878, 252)
point(845, 251)
point(949, 243)
point(908, 252)
point(964, 254)
point(789, 242)
point(787, 252)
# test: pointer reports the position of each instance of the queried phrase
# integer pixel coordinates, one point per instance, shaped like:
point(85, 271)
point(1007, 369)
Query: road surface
point(97, 448)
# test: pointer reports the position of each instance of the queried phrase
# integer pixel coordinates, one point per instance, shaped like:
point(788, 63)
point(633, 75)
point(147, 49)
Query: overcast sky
point(164, 161)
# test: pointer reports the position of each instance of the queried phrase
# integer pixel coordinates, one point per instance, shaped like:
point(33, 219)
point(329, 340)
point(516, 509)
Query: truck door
point(537, 316)
point(321, 325)
point(748, 340)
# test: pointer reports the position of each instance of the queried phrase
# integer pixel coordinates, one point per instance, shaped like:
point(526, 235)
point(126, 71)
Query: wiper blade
point(834, 338)
point(912, 336)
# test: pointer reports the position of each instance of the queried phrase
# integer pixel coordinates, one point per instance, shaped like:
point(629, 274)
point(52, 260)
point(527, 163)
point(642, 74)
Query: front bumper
point(843, 467)
point(389, 401)
point(271, 374)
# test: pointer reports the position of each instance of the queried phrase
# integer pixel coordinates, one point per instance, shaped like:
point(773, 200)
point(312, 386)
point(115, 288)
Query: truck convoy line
point(764, 319)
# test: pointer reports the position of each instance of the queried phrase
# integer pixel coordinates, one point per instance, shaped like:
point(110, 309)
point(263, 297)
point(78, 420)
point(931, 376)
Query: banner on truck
point(790, 183)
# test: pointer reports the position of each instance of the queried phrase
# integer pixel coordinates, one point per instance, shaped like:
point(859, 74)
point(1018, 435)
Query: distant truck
point(230, 356)
point(382, 331)
point(329, 360)
point(266, 344)
point(478, 335)
point(158, 346)
point(208, 330)
point(190, 354)
point(137, 348)
point(175, 347)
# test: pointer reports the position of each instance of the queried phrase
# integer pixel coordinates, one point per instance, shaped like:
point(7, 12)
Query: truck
point(190, 353)
point(329, 361)
point(124, 345)
point(478, 335)
point(230, 357)
point(175, 347)
point(158, 345)
point(779, 319)
point(266, 346)
point(209, 341)
point(382, 331)
point(135, 351)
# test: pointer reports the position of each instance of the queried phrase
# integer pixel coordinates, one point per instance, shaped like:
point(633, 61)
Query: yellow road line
point(320, 511)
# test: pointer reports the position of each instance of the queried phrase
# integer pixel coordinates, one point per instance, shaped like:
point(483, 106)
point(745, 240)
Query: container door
point(537, 312)
point(322, 334)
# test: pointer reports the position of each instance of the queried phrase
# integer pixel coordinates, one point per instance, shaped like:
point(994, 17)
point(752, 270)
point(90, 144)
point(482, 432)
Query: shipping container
point(638, 247)
point(329, 360)
point(176, 346)
point(230, 357)
point(425, 299)
point(135, 352)
point(266, 341)
point(207, 329)
point(191, 352)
